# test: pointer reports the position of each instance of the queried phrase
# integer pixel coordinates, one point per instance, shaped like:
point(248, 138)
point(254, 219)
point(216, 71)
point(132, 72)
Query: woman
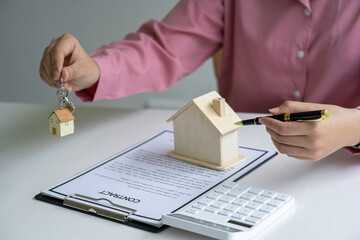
point(288, 56)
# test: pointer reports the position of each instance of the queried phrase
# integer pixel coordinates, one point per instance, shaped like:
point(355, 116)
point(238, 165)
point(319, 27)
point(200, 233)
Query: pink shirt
point(273, 51)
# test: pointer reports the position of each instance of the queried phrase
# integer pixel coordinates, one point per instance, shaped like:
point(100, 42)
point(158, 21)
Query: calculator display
point(240, 223)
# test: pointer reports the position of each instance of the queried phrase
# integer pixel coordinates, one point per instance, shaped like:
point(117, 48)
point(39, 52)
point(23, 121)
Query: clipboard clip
point(81, 202)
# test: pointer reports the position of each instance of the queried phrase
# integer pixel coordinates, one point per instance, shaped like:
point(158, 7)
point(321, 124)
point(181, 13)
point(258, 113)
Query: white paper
point(145, 179)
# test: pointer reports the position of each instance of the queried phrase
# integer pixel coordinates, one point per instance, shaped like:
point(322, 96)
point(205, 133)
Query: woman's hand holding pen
point(66, 58)
point(313, 140)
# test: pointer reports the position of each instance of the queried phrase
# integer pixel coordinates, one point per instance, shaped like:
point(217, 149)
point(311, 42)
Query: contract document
point(145, 183)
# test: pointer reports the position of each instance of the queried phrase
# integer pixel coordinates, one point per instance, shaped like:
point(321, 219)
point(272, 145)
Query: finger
point(46, 62)
point(287, 128)
point(299, 141)
point(69, 60)
point(53, 40)
point(64, 47)
point(67, 74)
point(42, 74)
point(294, 106)
point(310, 155)
point(290, 150)
point(303, 157)
point(68, 86)
point(298, 152)
point(46, 59)
point(45, 77)
point(70, 72)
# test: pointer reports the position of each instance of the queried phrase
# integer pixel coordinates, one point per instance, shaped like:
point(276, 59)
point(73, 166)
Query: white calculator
point(231, 211)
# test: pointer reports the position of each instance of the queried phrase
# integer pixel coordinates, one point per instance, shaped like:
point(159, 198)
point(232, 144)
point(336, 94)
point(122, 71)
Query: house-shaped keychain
point(205, 133)
point(61, 122)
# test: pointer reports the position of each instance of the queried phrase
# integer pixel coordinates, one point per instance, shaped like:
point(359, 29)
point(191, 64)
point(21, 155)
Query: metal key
point(62, 94)
point(69, 104)
point(64, 102)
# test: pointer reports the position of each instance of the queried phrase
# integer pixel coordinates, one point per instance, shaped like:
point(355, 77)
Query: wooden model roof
point(63, 115)
point(223, 124)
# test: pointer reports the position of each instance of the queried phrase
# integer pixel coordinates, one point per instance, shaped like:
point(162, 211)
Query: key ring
point(62, 92)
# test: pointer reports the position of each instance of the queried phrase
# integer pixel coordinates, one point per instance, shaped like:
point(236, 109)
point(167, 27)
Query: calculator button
point(192, 211)
point(218, 204)
point(224, 213)
point(214, 195)
point(211, 209)
point(237, 216)
point(240, 202)
point(253, 205)
point(244, 211)
point(282, 197)
point(248, 196)
point(241, 188)
point(238, 191)
point(256, 190)
point(205, 201)
point(252, 220)
point(259, 214)
point(226, 199)
point(269, 194)
point(231, 207)
point(261, 199)
point(275, 203)
point(198, 206)
point(267, 209)
point(230, 185)
point(222, 190)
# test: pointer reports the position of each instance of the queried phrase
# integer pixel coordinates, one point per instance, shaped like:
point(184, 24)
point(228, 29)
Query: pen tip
point(239, 123)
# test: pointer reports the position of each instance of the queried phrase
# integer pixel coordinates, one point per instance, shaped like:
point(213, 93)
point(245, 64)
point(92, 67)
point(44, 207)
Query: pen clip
point(313, 120)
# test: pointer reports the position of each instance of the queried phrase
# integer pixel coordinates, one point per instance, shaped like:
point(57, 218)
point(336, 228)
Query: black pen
point(310, 116)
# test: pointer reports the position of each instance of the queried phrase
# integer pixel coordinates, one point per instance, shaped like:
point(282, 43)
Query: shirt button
point(300, 54)
point(307, 12)
point(297, 94)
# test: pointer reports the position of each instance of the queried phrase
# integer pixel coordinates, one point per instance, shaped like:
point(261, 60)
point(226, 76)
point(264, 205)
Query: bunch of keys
point(64, 102)
point(61, 121)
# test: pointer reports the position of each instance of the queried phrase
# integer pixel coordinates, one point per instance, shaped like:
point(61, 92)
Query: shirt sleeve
point(160, 53)
point(352, 150)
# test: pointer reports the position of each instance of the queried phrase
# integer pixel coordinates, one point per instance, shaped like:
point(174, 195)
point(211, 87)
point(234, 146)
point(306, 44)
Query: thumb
point(69, 73)
point(293, 106)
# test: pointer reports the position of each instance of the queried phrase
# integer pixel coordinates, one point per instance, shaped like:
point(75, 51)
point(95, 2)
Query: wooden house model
point(205, 133)
point(61, 122)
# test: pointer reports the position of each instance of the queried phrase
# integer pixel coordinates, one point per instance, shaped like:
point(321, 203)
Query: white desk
point(327, 193)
